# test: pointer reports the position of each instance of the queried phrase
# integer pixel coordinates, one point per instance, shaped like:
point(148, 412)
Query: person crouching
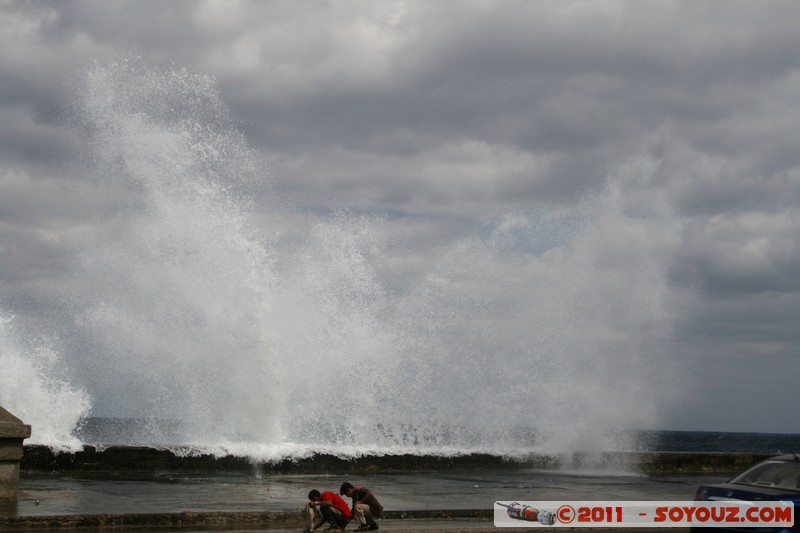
point(333, 509)
point(366, 507)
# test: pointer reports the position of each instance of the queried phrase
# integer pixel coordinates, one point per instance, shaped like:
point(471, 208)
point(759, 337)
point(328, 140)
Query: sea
point(722, 442)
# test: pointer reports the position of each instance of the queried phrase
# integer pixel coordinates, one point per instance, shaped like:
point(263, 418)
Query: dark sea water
point(713, 441)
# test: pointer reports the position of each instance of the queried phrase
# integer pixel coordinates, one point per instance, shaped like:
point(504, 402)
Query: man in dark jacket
point(366, 507)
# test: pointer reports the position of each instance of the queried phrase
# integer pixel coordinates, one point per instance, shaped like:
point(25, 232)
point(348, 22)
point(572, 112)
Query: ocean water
point(716, 441)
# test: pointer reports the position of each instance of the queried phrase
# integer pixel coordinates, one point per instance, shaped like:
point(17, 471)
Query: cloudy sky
point(659, 139)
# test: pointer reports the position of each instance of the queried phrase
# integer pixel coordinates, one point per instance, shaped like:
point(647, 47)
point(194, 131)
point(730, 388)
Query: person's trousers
point(314, 517)
point(333, 516)
point(363, 514)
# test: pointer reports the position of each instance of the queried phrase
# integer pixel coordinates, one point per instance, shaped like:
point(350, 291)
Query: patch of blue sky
point(533, 232)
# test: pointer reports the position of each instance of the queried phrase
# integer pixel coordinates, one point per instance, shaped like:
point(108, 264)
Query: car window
point(778, 474)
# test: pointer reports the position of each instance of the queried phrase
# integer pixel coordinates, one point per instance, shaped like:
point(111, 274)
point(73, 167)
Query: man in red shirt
point(333, 509)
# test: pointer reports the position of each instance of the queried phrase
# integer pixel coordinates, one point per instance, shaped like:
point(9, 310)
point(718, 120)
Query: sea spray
point(540, 329)
point(175, 317)
point(33, 388)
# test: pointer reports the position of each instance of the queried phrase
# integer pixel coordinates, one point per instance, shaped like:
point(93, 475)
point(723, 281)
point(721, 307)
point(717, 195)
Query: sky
point(447, 121)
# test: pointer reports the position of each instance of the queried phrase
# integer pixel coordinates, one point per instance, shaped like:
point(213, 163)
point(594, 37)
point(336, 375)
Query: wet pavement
point(50, 495)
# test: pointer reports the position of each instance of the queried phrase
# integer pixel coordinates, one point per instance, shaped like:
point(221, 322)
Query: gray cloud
point(450, 120)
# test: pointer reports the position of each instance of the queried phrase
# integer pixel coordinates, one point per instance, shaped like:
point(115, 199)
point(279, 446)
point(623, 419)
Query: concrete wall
point(12, 433)
point(121, 460)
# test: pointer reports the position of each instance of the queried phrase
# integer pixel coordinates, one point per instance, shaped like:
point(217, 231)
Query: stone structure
point(12, 433)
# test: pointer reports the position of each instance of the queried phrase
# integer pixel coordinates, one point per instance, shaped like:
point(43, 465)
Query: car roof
point(785, 457)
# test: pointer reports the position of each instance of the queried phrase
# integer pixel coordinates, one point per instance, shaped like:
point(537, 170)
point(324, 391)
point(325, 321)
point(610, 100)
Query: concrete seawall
point(140, 459)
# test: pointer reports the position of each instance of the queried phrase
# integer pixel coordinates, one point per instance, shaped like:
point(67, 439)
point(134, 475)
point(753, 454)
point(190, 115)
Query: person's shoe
point(363, 527)
point(372, 527)
point(334, 529)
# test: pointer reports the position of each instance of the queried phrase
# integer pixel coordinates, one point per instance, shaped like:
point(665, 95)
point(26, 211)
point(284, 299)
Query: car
point(775, 479)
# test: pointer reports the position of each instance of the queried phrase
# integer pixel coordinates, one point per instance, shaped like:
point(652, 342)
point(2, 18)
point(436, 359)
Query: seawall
point(119, 460)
